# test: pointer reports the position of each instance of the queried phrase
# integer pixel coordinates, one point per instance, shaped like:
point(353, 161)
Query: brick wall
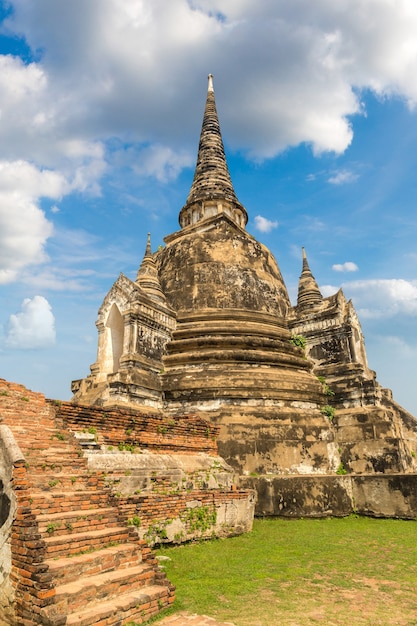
point(197, 514)
point(154, 431)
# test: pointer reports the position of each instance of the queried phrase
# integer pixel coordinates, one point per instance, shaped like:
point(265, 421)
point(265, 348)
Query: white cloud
point(264, 225)
point(404, 348)
point(345, 267)
point(33, 327)
point(381, 298)
point(161, 162)
point(342, 177)
point(111, 68)
point(24, 229)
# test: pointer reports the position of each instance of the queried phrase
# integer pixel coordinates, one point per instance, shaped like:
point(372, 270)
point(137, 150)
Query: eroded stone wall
point(378, 495)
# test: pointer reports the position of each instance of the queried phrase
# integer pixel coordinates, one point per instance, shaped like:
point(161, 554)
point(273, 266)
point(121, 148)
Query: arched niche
point(113, 342)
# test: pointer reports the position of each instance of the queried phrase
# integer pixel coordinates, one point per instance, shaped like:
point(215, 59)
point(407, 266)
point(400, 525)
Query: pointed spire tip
point(148, 246)
point(210, 83)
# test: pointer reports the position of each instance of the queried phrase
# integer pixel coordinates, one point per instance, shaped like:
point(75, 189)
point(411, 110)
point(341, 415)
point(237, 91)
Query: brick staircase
point(74, 562)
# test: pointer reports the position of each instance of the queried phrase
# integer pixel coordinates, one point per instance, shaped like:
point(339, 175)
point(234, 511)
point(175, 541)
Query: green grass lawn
point(345, 572)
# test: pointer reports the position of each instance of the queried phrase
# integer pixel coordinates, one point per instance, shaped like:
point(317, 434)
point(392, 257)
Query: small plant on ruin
point(52, 527)
point(328, 411)
point(326, 387)
point(127, 447)
point(73, 479)
point(199, 519)
point(341, 470)
point(134, 521)
point(59, 436)
point(156, 532)
point(25, 399)
point(53, 483)
point(3, 393)
point(299, 341)
point(69, 526)
point(92, 430)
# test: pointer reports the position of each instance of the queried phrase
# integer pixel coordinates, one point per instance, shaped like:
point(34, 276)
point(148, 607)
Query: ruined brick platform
point(72, 549)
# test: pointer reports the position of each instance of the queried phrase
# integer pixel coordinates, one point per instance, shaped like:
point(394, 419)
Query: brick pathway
point(185, 619)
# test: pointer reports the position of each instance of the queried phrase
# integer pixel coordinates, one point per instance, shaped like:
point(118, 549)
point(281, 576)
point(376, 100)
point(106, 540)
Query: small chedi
point(208, 328)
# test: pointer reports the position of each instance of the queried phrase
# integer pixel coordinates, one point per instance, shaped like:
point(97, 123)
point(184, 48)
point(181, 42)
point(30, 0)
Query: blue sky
point(101, 105)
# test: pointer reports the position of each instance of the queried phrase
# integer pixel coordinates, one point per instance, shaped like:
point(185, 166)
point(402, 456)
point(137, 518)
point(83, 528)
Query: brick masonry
point(77, 548)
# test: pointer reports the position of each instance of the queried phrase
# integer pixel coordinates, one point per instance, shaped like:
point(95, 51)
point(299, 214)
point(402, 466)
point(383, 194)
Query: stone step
point(71, 568)
point(62, 545)
point(56, 463)
point(68, 482)
point(62, 501)
point(139, 605)
point(71, 522)
point(62, 449)
point(37, 432)
point(79, 593)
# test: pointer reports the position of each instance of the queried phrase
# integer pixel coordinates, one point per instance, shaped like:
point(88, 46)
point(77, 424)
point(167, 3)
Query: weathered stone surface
point(217, 265)
point(10, 457)
point(301, 496)
point(378, 495)
point(386, 495)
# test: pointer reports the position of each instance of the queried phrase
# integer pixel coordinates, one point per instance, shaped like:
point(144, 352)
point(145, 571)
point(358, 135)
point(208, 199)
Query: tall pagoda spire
point(309, 293)
point(212, 190)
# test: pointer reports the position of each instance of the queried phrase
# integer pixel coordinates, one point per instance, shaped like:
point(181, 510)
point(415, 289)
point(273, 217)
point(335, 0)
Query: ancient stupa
point(208, 328)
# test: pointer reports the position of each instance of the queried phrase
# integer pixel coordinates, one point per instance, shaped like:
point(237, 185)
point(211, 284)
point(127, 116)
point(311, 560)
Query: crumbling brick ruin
point(85, 493)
